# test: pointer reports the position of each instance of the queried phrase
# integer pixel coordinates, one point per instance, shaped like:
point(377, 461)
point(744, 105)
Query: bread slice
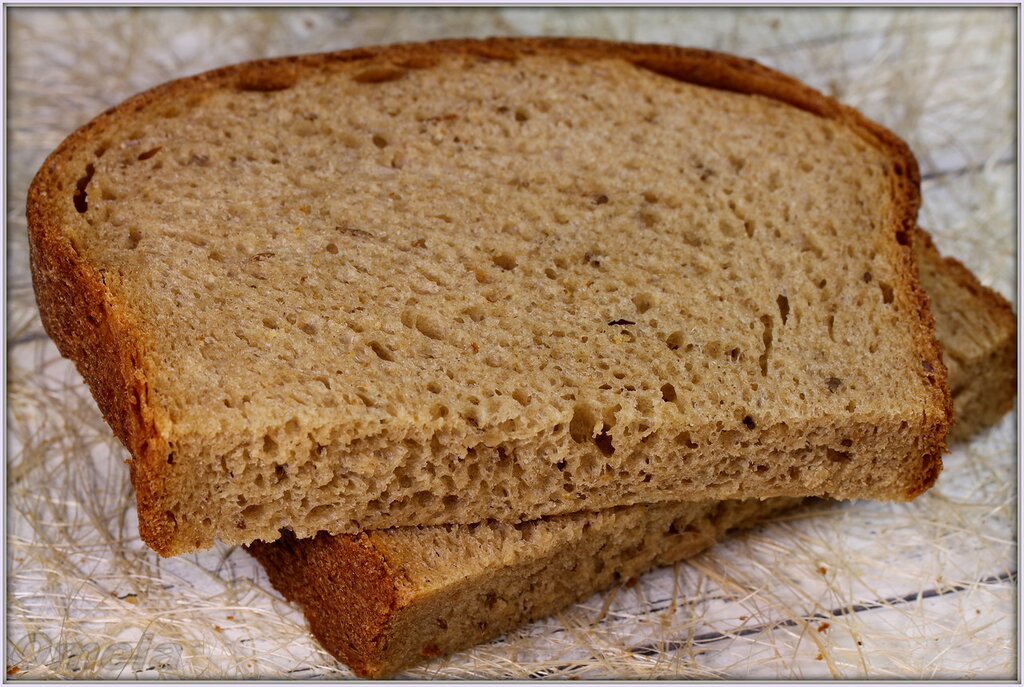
point(444, 282)
point(978, 332)
point(382, 601)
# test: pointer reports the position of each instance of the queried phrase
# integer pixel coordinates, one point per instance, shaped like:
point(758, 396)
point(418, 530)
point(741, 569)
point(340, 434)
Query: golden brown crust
point(91, 327)
point(109, 350)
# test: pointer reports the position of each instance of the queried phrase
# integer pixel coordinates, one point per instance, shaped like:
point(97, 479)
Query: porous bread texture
point(978, 332)
point(383, 601)
point(439, 283)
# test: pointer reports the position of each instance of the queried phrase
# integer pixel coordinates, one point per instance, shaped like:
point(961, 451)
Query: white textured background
point(858, 590)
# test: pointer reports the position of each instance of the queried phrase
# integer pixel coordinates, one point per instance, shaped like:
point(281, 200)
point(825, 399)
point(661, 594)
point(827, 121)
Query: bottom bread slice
point(381, 601)
point(978, 332)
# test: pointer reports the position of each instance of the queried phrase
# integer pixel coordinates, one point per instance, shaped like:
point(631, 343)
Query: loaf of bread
point(445, 282)
point(382, 601)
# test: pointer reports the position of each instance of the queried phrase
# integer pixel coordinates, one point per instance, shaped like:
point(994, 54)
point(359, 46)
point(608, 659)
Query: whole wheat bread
point(444, 282)
point(382, 601)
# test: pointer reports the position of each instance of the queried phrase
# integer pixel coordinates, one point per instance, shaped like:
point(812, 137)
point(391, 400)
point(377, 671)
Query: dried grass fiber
point(856, 590)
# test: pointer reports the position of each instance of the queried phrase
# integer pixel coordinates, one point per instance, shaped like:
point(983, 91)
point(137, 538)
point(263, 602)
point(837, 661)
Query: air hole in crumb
point(308, 328)
point(504, 261)
point(134, 236)
point(675, 340)
point(886, 292)
point(783, 307)
point(429, 328)
point(668, 393)
point(319, 512)
point(604, 441)
point(270, 323)
point(522, 115)
point(643, 302)
point(378, 74)
point(686, 440)
point(749, 423)
point(150, 153)
point(475, 312)
point(332, 248)
point(584, 420)
point(253, 511)
point(265, 81)
point(381, 352)
point(766, 321)
point(80, 197)
point(838, 456)
point(379, 141)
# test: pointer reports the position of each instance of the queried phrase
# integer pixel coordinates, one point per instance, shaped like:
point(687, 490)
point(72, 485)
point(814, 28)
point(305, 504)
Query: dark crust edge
point(350, 595)
point(59, 272)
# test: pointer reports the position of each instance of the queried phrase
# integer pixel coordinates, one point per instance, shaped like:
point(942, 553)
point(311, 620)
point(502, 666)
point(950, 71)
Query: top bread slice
point(443, 282)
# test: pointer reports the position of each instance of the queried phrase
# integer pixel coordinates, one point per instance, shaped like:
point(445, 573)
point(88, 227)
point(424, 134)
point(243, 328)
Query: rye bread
point(383, 601)
point(507, 279)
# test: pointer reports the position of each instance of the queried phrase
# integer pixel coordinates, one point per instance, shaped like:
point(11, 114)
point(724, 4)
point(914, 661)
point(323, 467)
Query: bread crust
point(328, 573)
point(92, 328)
point(88, 319)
